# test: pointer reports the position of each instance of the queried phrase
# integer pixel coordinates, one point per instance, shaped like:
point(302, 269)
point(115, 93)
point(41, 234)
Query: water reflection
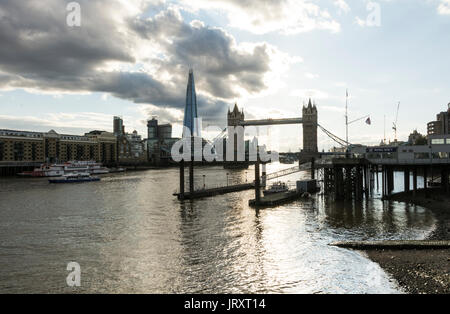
point(130, 234)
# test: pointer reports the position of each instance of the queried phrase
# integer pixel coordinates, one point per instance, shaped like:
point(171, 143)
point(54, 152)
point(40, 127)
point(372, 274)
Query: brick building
point(18, 147)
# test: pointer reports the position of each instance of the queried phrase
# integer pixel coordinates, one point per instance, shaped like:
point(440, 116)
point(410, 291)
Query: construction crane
point(395, 123)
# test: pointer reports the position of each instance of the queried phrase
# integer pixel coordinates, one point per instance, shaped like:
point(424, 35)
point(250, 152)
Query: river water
point(130, 235)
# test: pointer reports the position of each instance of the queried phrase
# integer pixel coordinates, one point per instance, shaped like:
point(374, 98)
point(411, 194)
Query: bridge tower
point(310, 119)
point(235, 118)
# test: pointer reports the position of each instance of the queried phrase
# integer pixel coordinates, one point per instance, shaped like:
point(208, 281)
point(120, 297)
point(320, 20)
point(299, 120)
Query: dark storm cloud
point(39, 51)
point(211, 51)
point(36, 41)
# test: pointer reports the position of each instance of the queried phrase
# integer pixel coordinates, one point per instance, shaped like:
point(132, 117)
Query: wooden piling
point(181, 180)
point(378, 179)
point(264, 175)
point(338, 183)
point(391, 186)
point(257, 184)
point(444, 180)
point(348, 183)
point(191, 169)
point(407, 182)
point(415, 181)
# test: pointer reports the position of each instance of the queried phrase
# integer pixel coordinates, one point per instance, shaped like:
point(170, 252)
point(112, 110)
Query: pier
point(275, 199)
point(355, 173)
point(214, 191)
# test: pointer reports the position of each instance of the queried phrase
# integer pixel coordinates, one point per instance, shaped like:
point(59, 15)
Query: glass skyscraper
point(190, 111)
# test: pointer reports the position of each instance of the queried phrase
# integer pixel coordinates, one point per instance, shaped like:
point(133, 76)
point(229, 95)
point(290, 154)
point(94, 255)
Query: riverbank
point(438, 203)
point(421, 271)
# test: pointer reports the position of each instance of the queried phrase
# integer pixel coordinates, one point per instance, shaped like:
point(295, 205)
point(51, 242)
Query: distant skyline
point(131, 59)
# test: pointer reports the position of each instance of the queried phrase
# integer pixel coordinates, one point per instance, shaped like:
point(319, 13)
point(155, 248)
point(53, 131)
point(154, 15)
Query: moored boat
point(74, 178)
point(57, 170)
point(278, 187)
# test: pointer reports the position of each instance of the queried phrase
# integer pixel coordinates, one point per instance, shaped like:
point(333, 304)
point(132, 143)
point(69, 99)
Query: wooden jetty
point(276, 199)
point(214, 191)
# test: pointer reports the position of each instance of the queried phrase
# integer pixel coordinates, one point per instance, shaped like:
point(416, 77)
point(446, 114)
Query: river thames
point(130, 235)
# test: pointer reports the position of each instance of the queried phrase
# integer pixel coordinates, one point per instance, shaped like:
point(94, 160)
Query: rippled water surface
point(129, 234)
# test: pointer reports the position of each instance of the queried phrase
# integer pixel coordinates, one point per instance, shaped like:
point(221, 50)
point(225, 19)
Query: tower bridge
point(309, 120)
point(235, 119)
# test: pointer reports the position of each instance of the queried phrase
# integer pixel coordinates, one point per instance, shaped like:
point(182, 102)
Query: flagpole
point(346, 117)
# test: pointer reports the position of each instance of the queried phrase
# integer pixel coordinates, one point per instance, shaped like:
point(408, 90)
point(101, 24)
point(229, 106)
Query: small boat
point(278, 187)
point(57, 170)
point(74, 178)
point(117, 170)
point(287, 160)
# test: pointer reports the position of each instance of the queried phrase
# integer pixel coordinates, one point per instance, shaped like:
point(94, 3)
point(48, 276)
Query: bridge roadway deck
point(271, 122)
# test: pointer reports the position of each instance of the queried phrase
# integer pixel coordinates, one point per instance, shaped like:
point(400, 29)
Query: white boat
point(56, 170)
point(91, 167)
point(278, 187)
point(74, 178)
point(46, 170)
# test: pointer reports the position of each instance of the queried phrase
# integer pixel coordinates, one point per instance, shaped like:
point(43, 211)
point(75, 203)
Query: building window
point(438, 141)
point(18, 151)
point(103, 152)
point(422, 156)
point(80, 152)
point(33, 151)
point(2, 151)
point(69, 152)
point(47, 149)
point(374, 156)
point(91, 153)
point(111, 152)
point(58, 152)
point(440, 155)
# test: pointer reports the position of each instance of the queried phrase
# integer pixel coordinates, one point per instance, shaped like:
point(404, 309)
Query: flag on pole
point(369, 121)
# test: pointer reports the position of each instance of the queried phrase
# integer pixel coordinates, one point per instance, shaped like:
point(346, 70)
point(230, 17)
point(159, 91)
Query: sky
point(131, 58)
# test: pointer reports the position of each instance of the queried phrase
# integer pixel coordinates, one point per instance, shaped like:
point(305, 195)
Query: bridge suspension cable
point(335, 138)
point(221, 135)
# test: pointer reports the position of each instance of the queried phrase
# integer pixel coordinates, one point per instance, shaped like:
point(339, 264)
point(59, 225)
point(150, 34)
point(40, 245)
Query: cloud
point(116, 51)
point(227, 69)
point(342, 6)
point(164, 115)
point(265, 16)
point(340, 84)
point(61, 122)
point(360, 21)
point(310, 93)
point(444, 7)
point(311, 76)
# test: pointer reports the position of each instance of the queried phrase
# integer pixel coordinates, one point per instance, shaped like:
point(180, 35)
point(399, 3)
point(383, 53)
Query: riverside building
point(19, 149)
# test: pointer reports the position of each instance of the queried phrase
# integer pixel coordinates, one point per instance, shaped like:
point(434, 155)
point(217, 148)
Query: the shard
point(190, 111)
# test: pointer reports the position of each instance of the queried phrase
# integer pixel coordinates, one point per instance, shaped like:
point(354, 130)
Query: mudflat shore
point(421, 271)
